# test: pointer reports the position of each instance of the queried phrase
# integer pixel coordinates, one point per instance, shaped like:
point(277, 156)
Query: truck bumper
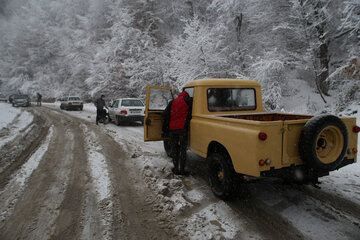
point(301, 173)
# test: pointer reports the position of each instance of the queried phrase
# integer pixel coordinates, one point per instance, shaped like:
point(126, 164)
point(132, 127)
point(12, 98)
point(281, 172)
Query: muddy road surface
point(63, 177)
point(80, 188)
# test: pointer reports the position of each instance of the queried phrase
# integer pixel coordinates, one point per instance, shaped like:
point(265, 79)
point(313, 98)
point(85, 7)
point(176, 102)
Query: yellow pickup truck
point(231, 130)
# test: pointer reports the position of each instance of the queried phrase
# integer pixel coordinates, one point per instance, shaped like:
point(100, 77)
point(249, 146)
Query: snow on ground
point(12, 122)
point(8, 114)
point(302, 99)
point(19, 179)
point(101, 182)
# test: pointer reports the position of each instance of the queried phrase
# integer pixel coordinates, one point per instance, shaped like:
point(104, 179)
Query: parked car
point(11, 98)
point(72, 103)
point(127, 110)
point(3, 98)
point(21, 100)
point(238, 139)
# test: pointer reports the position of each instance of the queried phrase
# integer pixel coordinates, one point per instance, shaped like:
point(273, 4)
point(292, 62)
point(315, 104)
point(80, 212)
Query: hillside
point(117, 47)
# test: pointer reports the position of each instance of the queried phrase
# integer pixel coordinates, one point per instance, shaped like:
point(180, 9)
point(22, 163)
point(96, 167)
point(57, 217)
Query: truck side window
point(231, 99)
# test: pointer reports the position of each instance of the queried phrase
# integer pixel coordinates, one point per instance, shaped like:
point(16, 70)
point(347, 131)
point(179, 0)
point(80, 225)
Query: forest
point(118, 47)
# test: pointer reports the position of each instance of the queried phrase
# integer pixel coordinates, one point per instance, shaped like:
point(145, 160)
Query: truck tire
point(167, 147)
point(221, 175)
point(323, 142)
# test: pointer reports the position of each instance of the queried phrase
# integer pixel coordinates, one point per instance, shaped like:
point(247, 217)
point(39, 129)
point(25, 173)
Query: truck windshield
point(231, 99)
point(131, 103)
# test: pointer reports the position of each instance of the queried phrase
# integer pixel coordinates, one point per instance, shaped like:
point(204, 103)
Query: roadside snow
point(102, 184)
point(20, 122)
point(346, 181)
point(18, 181)
point(8, 114)
point(98, 166)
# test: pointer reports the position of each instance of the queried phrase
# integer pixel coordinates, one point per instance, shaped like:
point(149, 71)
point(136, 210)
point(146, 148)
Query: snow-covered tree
point(191, 55)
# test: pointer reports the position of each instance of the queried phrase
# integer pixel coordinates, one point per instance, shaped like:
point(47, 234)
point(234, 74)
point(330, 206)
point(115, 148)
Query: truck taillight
point(356, 129)
point(123, 112)
point(70, 103)
point(144, 111)
point(262, 136)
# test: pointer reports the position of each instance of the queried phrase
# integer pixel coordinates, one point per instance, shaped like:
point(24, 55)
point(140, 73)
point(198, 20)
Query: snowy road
point(63, 177)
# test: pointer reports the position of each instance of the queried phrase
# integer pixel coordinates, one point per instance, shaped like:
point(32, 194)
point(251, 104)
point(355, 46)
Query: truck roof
point(222, 81)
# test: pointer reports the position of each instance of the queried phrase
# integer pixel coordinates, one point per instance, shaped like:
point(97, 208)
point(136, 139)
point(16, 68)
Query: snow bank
point(18, 181)
point(101, 182)
point(8, 114)
point(20, 122)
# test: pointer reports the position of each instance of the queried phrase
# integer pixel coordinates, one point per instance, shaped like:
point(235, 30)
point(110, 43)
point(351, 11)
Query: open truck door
point(157, 98)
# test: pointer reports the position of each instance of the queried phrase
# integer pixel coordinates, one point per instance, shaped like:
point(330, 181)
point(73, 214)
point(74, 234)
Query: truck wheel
point(167, 147)
point(323, 142)
point(221, 175)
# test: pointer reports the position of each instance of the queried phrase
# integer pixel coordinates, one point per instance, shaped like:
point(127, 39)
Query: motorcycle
point(105, 117)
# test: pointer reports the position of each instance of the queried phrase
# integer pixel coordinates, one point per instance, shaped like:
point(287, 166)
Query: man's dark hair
point(102, 95)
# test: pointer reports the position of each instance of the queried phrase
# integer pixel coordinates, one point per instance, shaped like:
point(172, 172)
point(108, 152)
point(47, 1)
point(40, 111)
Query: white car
point(127, 110)
point(71, 103)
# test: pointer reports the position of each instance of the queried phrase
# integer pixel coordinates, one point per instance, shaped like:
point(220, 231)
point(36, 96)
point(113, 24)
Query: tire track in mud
point(341, 204)
point(322, 209)
point(99, 193)
point(132, 215)
point(68, 223)
point(80, 214)
point(16, 152)
point(134, 218)
point(259, 218)
point(37, 209)
point(9, 196)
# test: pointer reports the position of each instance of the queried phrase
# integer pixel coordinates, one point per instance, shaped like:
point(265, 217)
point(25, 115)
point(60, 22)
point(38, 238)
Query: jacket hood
point(183, 94)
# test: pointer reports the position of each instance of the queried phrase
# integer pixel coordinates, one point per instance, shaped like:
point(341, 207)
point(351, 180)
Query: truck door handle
point(148, 122)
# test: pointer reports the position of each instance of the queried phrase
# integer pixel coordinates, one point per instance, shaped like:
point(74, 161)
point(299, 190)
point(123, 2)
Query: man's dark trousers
point(178, 141)
point(99, 114)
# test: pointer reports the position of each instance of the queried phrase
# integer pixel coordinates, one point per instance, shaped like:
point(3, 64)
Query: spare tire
point(323, 142)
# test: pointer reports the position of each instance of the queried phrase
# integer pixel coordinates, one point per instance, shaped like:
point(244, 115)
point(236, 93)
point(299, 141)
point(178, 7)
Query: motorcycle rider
point(100, 104)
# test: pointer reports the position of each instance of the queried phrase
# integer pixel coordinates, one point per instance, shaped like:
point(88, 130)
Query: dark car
point(21, 100)
point(11, 98)
point(3, 98)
